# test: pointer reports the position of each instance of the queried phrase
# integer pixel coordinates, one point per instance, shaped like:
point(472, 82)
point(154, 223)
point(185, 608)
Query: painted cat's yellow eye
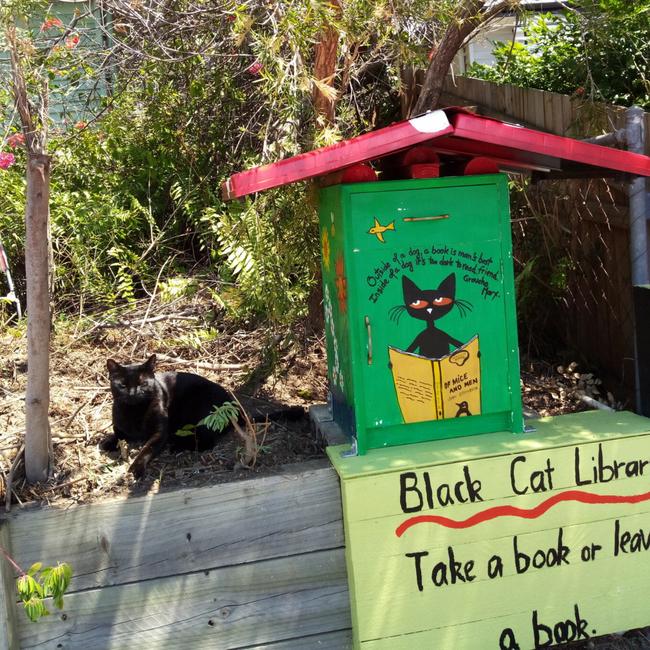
point(419, 304)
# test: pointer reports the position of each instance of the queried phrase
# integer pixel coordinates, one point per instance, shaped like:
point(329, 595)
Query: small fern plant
point(221, 416)
point(217, 420)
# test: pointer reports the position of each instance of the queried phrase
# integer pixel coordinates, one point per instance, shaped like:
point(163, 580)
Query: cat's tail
point(259, 410)
point(280, 413)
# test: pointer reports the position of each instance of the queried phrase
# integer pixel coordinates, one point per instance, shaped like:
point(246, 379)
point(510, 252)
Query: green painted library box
point(418, 293)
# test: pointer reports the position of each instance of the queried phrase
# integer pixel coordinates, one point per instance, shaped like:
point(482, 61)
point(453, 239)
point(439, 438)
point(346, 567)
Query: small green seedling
point(217, 420)
point(221, 417)
point(39, 583)
point(187, 430)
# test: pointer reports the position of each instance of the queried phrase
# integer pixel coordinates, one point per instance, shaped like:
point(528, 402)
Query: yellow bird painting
point(379, 230)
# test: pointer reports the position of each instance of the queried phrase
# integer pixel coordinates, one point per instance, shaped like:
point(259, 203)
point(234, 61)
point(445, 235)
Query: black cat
point(430, 305)
point(151, 407)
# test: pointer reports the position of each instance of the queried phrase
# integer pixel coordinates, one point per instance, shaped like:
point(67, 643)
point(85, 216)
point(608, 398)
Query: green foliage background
point(138, 189)
point(135, 195)
point(598, 49)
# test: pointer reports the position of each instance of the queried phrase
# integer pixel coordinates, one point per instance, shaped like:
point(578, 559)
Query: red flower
point(255, 68)
point(16, 140)
point(80, 125)
point(6, 160)
point(72, 41)
point(51, 22)
point(580, 90)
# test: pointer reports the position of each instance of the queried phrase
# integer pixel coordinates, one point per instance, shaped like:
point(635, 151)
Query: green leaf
point(187, 430)
point(56, 583)
point(28, 587)
point(35, 568)
point(35, 609)
point(24, 590)
point(221, 417)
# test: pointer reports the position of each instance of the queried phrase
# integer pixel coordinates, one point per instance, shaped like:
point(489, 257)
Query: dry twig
point(10, 478)
point(201, 364)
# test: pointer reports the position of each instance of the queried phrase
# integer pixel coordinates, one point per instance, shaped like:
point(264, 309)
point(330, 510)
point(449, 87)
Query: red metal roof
point(449, 131)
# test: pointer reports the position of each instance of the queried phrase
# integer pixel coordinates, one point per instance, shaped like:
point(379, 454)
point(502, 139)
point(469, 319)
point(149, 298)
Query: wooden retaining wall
point(253, 564)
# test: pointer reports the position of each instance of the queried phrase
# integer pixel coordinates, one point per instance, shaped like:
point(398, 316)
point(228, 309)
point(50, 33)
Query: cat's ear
point(113, 366)
point(150, 363)
point(410, 289)
point(448, 286)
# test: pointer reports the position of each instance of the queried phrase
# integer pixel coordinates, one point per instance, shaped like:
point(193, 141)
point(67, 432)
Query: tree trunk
point(325, 58)
point(37, 401)
point(471, 15)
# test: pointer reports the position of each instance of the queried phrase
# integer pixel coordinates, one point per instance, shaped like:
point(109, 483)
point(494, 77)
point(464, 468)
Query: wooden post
point(37, 431)
point(8, 632)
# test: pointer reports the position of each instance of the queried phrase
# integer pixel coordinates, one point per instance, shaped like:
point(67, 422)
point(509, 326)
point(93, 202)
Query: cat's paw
point(137, 468)
point(109, 444)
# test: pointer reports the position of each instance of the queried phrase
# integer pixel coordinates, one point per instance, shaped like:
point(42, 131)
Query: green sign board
point(419, 309)
point(500, 542)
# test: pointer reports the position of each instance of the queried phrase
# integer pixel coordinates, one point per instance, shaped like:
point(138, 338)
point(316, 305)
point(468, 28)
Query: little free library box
point(464, 529)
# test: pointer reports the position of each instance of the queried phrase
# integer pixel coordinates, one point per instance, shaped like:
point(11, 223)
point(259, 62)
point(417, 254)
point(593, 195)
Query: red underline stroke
point(524, 513)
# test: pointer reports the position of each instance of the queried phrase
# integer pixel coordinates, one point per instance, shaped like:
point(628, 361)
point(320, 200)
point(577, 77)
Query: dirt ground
point(270, 366)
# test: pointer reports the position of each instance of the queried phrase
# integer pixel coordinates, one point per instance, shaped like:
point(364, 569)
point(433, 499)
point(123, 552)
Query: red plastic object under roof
point(451, 131)
point(481, 165)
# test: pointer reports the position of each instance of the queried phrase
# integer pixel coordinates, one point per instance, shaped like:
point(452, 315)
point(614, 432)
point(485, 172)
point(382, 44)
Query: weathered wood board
point(253, 564)
point(501, 541)
point(8, 632)
point(232, 607)
point(160, 535)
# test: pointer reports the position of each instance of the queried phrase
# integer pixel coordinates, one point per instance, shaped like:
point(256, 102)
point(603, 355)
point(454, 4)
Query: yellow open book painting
point(434, 389)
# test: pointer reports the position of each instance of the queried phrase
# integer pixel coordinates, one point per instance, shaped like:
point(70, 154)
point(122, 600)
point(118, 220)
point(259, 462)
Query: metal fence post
point(639, 254)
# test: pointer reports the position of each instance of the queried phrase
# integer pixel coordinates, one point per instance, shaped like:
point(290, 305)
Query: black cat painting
point(150, 407)
point(430, 305)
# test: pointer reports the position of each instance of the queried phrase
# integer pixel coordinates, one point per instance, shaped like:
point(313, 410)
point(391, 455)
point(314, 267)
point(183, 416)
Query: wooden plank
point(386, 488)
point(548, 112)
point(341, 640)
point(559, 431)
point(562, 113)
point(559, 520)
point(184, 531)
point(522, 140)
point(480, 635)
point(8, 629)
point(405, 612)
point(227, 608)
point(535, 107)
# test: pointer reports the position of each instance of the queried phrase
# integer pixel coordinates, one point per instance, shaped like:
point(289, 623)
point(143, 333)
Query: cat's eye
point(442, 301)
point(419, 304)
